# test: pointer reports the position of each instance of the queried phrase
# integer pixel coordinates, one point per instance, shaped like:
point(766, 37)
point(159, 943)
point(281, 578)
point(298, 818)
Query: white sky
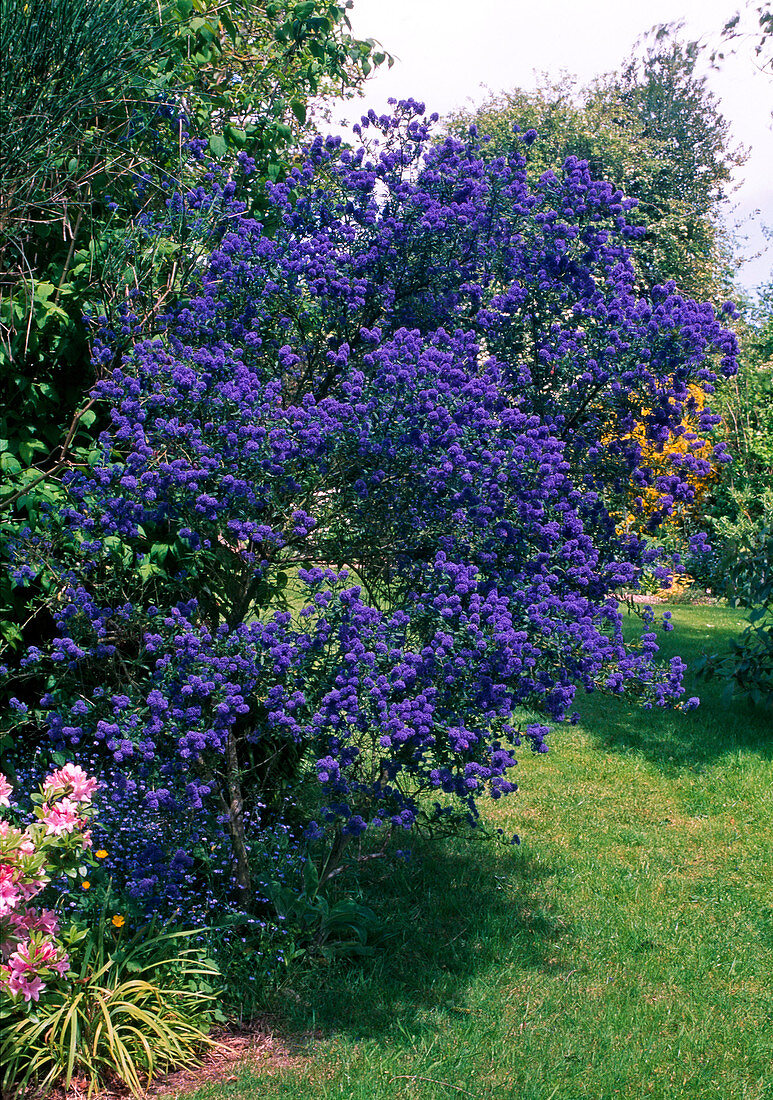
point(452, 53)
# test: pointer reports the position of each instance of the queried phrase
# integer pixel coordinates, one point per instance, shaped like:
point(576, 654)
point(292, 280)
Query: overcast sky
point(451, 53)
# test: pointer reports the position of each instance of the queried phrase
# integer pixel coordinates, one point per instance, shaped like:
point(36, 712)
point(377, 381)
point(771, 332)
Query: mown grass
point(624, 949)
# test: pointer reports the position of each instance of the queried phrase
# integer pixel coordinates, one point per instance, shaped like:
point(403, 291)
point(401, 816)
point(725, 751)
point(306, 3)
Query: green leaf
point(28, 448)
point(310, 878)
point(229, 25)
point(237, 136)
point(299, 110)
point(217, 145)
point(9, 464)
point(147, 570)
point(43, 291)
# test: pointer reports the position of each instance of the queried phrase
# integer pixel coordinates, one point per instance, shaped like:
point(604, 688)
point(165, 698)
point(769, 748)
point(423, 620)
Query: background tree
point(739, 509)
point(752, 24)
point(744, 495)
point(656, 130)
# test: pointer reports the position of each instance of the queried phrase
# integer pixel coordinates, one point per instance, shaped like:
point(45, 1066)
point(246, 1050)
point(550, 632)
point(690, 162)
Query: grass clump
point(127, 1013)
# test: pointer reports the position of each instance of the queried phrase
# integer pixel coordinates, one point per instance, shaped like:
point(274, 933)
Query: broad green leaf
point(9, 464)
point(217, 145)
point(310, 878)
point(28, 449)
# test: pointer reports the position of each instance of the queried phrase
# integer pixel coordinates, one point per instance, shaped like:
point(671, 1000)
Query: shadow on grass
point(676, 740)
point(454, 910)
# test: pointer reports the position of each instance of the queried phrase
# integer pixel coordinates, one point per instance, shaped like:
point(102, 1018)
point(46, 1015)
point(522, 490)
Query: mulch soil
point(255, 1046)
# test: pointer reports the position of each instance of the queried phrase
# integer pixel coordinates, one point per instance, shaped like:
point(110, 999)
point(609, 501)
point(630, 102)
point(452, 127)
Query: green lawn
point(625, 949)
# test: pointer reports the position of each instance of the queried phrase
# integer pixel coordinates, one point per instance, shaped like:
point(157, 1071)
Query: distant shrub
point(748, 667)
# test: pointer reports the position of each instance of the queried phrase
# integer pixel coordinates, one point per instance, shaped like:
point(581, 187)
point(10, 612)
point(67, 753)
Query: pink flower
point(33, 886)
point(45, 953)
point(29, 985)
point(29, 952)
point(27, 845)
point(62, 817)
point(13, 836)
point(62, 965)
point(73, 778)
point(30, 920)
point(47, 921)
point(20, 921)
point(9, 889)
point(32, 956)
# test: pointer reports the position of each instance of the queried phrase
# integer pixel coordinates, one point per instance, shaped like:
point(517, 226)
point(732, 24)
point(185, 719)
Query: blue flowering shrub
point(355, 522)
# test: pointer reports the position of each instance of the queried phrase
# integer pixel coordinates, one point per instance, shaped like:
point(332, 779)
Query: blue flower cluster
point(357, 516)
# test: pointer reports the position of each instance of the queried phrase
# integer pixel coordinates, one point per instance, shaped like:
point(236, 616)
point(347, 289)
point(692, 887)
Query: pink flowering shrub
point(31, 955)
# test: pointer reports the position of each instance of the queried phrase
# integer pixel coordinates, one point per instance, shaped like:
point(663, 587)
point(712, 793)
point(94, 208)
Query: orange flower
point(85, 885)
point(118, 921)
point(101, 854)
